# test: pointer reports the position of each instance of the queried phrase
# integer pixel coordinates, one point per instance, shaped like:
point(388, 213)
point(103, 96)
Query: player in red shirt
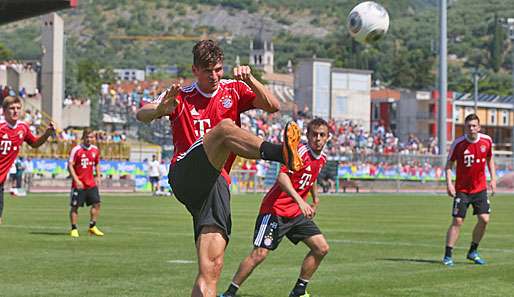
point(472, 152)
point(84, 159)
point(13, 133)
point(205, 125)
point(285, 212)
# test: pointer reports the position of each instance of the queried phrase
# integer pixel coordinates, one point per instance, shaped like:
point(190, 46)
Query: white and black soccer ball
point(368, 22)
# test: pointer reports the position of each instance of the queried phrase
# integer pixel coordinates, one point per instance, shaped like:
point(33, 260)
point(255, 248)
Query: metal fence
point(370, 173)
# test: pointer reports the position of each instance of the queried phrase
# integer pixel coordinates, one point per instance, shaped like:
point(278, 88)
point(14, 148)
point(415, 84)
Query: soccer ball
point(368, 22)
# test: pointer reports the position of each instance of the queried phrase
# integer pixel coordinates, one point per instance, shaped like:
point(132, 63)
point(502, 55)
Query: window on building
point(341, 105)
point(505, 118)
point(493, 117)
point(376, 111)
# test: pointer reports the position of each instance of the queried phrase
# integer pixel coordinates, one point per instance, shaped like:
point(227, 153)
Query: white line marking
point(180, 261)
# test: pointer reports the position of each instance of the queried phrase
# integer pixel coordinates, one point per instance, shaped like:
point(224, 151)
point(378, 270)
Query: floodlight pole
point(510, 27)
point(443, 77)
point(475, 88)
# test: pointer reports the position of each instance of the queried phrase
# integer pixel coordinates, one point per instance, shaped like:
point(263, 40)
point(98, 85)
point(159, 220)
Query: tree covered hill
point(406, 57)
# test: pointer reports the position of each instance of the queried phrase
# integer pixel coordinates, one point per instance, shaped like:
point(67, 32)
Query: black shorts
point(202, 189)
point(479, 201)
point(89, 196)
point(270, 229)
point(154, 179)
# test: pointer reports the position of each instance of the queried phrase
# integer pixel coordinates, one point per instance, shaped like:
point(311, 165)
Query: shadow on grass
point(54, 233)
point(411, 260)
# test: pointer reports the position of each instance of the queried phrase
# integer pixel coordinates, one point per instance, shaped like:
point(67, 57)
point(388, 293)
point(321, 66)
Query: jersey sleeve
point(451, 154)
point(490, 150)
point(73, 153)
point(29, 137)
point(246, 97)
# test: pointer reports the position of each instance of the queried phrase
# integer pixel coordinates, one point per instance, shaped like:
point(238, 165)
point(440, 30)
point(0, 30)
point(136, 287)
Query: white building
point(130, 74)
point(342, 94)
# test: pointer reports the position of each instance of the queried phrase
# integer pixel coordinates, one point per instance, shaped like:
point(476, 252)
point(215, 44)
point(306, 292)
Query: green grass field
point(381, 245)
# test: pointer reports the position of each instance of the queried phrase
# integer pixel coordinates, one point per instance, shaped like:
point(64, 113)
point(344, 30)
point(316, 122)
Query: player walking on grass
point(285, 212)
point(13, 133)
point(205, 119)
point(472, 152)
point(84, 158)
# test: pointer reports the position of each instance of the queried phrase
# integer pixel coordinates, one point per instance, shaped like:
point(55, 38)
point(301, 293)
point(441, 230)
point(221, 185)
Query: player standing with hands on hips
point(472, 152)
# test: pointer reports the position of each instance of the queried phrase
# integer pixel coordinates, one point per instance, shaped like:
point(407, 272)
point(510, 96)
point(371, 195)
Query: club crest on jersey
point(482, 148)
point(5, 136)
point(94, 155)
point(226, 102)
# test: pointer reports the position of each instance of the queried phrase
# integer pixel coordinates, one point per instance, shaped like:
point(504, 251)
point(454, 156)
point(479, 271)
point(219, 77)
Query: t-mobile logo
point(202, 127)
point(468, 160)
point(5, 146)
point(84, 162)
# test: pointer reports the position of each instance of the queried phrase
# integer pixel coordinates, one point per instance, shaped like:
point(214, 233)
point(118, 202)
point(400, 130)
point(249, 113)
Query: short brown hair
point(316, 122)
point(471, 117)
point(206, 53)
point(10, 100)
point(86, 132)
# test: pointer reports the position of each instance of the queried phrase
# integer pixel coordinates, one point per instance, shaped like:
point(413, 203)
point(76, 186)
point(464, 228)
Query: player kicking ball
point(472, 152)
point(285, 212)
point(205, 126)
point(84, 158)
point(14, 132)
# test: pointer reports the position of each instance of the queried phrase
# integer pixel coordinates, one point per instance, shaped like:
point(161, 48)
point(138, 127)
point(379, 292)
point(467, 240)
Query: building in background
point(327, 92)
point(496, 115)
point(262, 52)
point(384, 109)
point(130, 74)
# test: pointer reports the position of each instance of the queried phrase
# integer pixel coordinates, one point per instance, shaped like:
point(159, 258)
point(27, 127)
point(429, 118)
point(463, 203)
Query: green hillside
point(407, 57)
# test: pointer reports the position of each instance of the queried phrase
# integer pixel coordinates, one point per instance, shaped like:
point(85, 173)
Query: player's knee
point(322, 250)
point(259, 255)
point(211, 270)
point(457, 222)
point(225, 126)
point(483, 219)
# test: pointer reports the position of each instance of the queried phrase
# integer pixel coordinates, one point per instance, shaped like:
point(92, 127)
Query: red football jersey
point(84, 161)
point(279, 202)
point(197, 113)
point(12, 138)
point(471, 158)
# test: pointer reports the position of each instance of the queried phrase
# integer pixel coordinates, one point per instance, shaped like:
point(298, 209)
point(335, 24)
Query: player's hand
point(450, 189)
point(169, 101)
point(492, 184)
point(50, 130)
point(79, 185)
point(243, 73)
point(98, 180)
point(306, 209)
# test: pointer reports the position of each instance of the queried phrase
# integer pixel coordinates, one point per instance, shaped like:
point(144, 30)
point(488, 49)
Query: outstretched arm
point(164, 106)
point(50, 130)
point(285, 184)
point(264, 99)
